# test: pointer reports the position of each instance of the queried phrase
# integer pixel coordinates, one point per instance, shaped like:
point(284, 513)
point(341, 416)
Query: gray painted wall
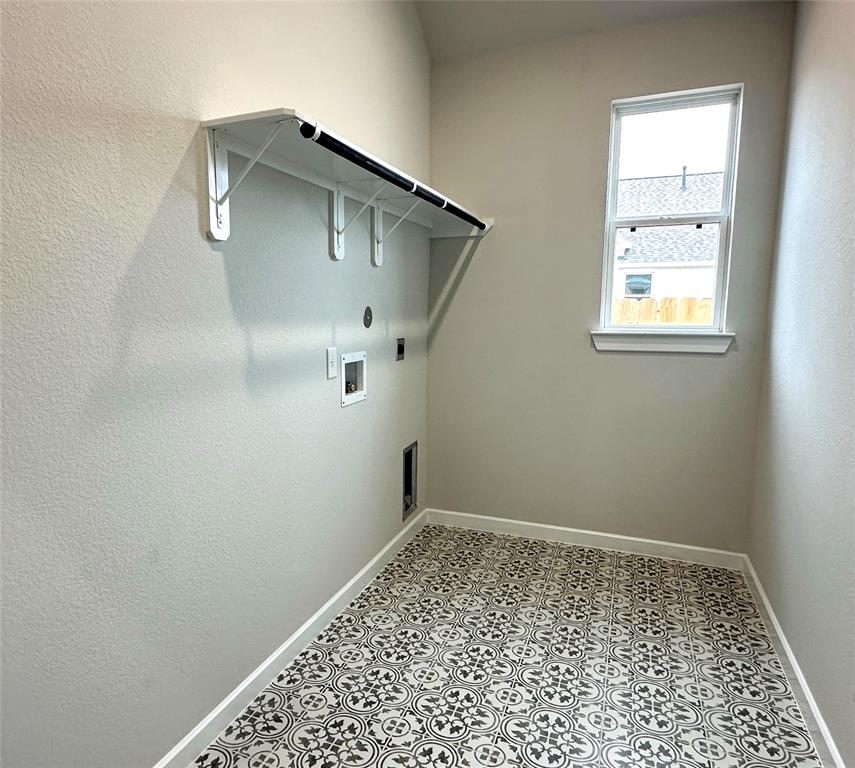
point(526, 419)
point(802, 538)
point(181, 487)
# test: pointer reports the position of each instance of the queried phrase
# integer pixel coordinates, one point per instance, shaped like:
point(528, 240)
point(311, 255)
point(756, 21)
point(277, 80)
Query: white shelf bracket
point(377, 234)
point(252, 161)
point(337, 229)
point(337, 216)
point(365, 205)
point(218, 182)
point(219, 190)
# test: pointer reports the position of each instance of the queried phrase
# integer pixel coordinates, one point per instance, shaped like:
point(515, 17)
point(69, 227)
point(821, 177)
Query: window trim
point(724, 218)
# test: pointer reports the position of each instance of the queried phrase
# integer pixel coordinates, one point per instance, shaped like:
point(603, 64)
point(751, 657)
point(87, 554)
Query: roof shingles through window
point(665, 195)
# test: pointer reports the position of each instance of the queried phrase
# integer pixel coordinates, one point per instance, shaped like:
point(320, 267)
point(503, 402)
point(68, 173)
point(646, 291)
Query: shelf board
point(292, 153)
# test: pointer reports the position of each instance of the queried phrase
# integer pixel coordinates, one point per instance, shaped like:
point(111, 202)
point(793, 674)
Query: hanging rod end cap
point(310, 130)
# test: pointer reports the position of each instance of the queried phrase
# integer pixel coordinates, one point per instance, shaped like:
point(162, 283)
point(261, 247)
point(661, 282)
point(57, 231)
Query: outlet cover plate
point(358, 360)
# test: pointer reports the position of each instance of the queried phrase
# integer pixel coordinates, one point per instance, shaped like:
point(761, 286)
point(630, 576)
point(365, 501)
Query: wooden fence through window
point(647, 311)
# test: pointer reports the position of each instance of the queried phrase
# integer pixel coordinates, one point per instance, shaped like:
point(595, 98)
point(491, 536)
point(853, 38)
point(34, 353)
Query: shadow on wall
point(193, 316)
point(278, 277)
point(449, 260)
point(156, 300)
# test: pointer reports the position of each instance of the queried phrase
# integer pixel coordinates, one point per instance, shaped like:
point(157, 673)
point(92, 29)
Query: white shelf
point(273, 138)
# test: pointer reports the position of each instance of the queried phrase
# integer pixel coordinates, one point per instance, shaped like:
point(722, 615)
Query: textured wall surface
point(526, 419)
point(802, 536)
point(181, 487)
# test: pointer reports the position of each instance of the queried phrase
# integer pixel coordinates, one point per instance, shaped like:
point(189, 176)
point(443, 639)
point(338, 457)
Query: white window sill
point(685, 342)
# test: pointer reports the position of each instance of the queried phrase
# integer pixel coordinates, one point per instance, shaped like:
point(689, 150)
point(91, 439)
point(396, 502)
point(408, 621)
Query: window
point(638, 285)
point(669, 211)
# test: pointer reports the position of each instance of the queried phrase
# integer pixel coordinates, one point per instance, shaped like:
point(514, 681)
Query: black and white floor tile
point(478, 650)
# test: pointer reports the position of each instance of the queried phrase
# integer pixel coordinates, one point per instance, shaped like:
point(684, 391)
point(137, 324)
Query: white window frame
point(691, 338)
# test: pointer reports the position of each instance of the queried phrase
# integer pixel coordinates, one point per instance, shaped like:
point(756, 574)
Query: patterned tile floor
point(477, 650)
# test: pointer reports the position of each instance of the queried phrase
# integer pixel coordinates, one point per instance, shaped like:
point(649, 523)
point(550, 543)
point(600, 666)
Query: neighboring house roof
point(667, 195)
point(667, 244)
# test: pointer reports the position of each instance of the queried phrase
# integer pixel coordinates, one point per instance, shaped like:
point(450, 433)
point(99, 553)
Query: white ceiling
point(456, 28)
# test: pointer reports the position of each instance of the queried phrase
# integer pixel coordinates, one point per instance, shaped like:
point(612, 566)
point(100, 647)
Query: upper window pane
point(673, 161)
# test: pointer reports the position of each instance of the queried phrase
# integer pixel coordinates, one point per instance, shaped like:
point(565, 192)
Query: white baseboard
point(716, 557)
point(186, 750)
point(820, 734)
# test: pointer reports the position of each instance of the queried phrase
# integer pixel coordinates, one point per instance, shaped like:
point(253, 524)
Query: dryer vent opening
point(410, 481)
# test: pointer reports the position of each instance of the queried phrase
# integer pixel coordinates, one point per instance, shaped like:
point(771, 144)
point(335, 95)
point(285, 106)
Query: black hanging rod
point(388, 173)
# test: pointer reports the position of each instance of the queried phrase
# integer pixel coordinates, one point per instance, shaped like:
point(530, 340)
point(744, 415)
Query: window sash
point(731, 94)
point(720, 281)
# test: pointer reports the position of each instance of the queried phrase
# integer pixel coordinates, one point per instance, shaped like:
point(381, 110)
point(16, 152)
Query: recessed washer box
point(353, 379)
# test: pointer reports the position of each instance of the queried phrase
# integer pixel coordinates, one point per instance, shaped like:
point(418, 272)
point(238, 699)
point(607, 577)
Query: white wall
point(526, 419)
point(803, 523)
point(181, 488)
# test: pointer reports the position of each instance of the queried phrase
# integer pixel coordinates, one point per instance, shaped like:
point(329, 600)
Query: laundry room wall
point(181, 487)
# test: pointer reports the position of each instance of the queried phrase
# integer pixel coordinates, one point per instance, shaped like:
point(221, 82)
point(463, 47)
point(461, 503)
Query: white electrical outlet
point(332, 363)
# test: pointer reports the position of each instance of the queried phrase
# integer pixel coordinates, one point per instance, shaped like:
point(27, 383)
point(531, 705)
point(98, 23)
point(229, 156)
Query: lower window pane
point(665, 275)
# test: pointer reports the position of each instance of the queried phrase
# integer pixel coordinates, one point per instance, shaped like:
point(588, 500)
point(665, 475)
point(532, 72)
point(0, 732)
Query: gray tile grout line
point(608, 639)
point(704, 727)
